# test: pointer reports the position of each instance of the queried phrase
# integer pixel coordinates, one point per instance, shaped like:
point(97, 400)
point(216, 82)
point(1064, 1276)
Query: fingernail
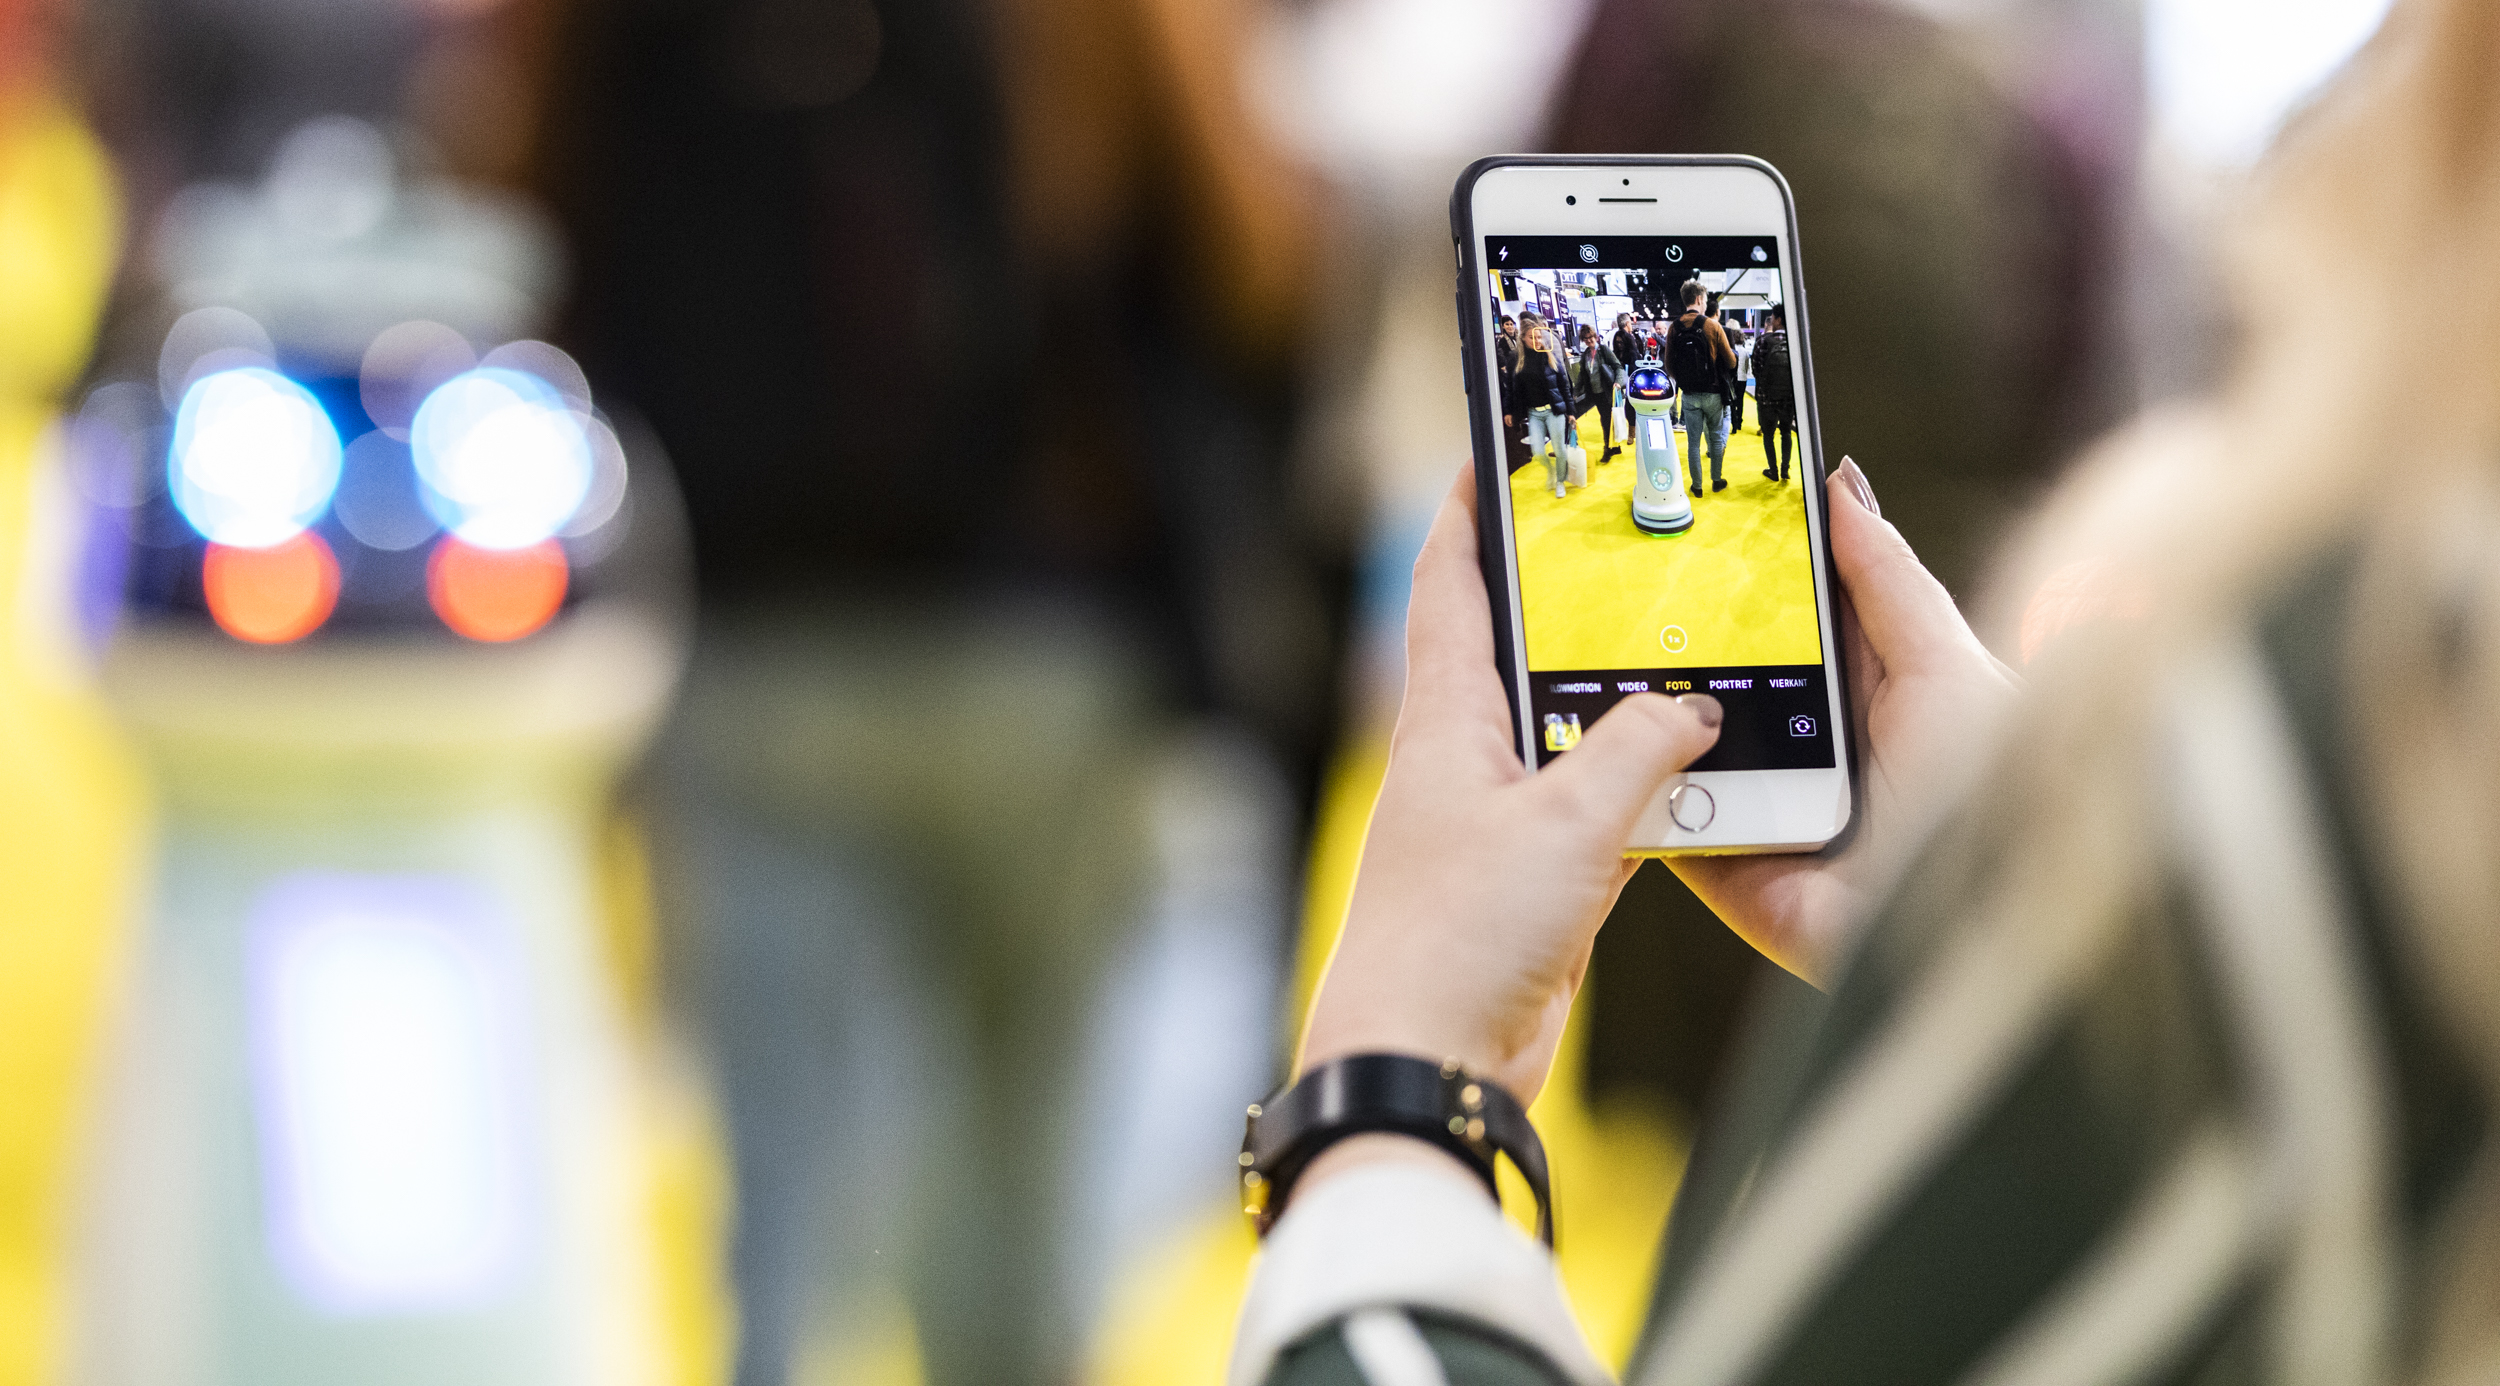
point(1856, 478)
point(1705, 708)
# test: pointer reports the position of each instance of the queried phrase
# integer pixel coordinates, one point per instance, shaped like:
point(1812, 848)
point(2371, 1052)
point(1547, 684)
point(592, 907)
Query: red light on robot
point(273, 595)
point(496, 594)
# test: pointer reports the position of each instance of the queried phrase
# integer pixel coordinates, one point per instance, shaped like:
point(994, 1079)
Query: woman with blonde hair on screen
point(1541, 388)
point(2162, 1039)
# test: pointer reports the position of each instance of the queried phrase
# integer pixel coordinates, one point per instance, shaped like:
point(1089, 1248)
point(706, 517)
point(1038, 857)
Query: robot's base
point(1662, 529)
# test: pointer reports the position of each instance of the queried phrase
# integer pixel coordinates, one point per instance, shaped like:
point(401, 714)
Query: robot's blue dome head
point(1649, 382)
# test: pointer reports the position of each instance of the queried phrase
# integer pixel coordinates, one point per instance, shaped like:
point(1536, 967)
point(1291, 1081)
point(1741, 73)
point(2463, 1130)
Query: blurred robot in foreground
point(387, 622)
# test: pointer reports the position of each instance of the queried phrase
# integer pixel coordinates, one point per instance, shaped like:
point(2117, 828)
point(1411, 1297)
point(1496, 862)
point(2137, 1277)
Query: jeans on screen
point(1545, 439)
point(1704, 414)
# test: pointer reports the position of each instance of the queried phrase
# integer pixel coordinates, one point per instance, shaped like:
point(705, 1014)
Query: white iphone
point(1649, 477)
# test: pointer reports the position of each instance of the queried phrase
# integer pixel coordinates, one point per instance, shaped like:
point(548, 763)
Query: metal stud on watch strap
point(1441, 1103)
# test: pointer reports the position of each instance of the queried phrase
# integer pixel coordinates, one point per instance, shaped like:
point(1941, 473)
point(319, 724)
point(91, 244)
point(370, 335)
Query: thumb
point(1605, 781)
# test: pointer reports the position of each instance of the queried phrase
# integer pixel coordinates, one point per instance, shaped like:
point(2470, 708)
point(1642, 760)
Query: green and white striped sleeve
point(1376, 1262)
point(1391, 1346)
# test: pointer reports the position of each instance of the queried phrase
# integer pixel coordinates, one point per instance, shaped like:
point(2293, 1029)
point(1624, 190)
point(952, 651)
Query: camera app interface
point(1648, 407)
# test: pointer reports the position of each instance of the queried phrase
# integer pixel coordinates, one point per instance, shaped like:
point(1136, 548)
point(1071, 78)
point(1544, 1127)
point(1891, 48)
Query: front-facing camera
point(1571, 202)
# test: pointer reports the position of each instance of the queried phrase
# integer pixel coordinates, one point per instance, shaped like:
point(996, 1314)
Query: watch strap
point(1471, 1117)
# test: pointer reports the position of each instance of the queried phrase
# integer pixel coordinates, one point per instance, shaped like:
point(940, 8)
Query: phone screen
point(1628, 580)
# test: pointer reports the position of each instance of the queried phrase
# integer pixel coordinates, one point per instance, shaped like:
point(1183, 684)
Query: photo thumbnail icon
point(1562, 730)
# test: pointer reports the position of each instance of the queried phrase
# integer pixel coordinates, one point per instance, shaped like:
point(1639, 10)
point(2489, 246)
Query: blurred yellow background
point(72, 808)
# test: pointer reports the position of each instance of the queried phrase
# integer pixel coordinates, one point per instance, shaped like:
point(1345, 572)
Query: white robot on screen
point(1659, 505)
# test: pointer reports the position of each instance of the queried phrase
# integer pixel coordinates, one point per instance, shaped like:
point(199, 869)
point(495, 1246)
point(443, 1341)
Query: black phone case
point(1481, 412)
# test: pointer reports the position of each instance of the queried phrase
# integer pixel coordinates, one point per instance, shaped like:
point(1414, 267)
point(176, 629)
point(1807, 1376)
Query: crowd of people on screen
point(1552, 374)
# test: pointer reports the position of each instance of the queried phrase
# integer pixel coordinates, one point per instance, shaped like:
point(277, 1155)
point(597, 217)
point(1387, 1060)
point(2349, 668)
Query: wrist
point(1377, 1033)
point(1406, 1017)
point(1439, 1029)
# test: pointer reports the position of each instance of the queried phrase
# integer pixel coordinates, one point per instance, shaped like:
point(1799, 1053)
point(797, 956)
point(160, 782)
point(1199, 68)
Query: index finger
point(1909, 619)
point(1451, 678)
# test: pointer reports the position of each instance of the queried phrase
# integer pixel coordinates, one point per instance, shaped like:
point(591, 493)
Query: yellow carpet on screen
point(1598, 593)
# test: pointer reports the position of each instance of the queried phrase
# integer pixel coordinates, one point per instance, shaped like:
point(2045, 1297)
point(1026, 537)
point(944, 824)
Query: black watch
point(1472, 1118)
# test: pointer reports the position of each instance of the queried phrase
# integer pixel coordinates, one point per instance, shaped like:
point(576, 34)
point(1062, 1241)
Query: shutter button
point(1691, 807)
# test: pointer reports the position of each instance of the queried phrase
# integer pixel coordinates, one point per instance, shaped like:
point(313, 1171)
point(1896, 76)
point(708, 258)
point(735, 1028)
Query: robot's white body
point(1659, 505)
point(374, 1117)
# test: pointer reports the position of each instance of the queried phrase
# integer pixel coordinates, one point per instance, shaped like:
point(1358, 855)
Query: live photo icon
point(1588, 255)
point(1801, 725)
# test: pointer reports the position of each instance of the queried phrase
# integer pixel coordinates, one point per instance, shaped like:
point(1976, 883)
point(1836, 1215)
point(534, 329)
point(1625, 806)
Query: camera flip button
point(1691, 807)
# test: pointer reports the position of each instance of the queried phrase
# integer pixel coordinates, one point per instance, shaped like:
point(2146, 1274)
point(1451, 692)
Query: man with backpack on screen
point(1775, 395)
point(1700, 359)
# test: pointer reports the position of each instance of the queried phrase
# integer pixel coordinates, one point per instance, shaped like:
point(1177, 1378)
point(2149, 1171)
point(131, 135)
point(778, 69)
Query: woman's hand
point(1923, 693)
point(1482, 885)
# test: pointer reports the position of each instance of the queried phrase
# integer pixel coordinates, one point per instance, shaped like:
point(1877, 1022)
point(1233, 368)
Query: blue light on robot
point(254, 459)
point(388, 1054)
point(505, 460)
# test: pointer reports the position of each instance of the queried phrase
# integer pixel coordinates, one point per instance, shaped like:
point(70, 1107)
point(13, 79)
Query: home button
point(1691, 807)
